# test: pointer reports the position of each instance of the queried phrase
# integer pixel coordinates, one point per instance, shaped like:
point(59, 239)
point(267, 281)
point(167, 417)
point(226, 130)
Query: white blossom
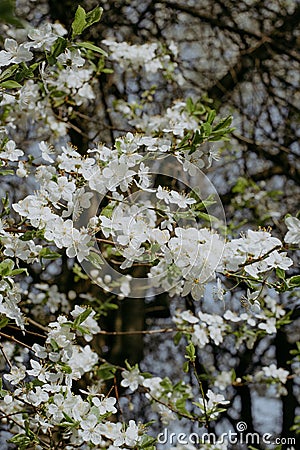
point(293, 234)
point(132, 379)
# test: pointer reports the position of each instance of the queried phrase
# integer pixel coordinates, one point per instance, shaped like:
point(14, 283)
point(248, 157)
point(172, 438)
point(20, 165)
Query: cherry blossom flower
point(43, 36)
point(105, 405)
point(14, 53)
point(38, 371)
point(37, 396)
point(11, 152)
point(132, 379)
point(16, 374)
point(293, 234)
point(213, 401)
point(269, 326)
point(90, 431)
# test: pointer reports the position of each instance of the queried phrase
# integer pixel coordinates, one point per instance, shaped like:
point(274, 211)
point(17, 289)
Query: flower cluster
point(257, 252)
point(54, 368)
point(151, 57)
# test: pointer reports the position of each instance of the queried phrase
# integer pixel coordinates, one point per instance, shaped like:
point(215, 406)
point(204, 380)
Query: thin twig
point(5, 355)
point(260, 258)
point(12, 338)
point(117, 333)
point(38, 325)
point(12, 327)
point(107, 241)
point(202, 394)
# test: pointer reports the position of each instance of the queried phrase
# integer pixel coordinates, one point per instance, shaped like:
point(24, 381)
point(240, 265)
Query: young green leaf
point(10, 84)
point(106, 371)
point(6, 267)
point(3, 321)
point(211, 116)
point(84, 20)
point(90, 46)
point(224, 123)
point(190, 352)
point(79, 23)
point(5, 172)
point(293, 281)
point(96, 260)
point(93, 16)
point(49, 254)
point(81, 318)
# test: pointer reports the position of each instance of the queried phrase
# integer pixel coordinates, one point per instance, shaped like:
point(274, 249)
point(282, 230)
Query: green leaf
point(211, 116)
point(96, 260)
point(205, 216)
point(241, 186)
point(166, 384)
point(280, 273)
point(146, 443)
point(68, 418)
point(33, 66)
point(93, 16)
point(200, 405)
point(54, 345)
point(190, 352)
point(105, 70)
point(84, 20)
point(49, 254)
point(65, 368)
point(196, 109)
point(79, 22)
point(81, 318)
point(90, 46)
point(223, 124)
point(106, 371)
point(6, 267)
point(5, 172)
point(18, 271)
point(221, 137)
point(28, 235)
point(57, 48)
point(2, 391)
point(3, 321)
point(10, 84)
point(24, 72)
point(197, 139)
point(190, 105)
point(205, 129)
point(77, 270)
point(181, 407)
point(22, 441)
point(185, 140)
point(177, 337)
point(293, 281)
point(83, 330)
point(128, 366)
point(7, 73)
